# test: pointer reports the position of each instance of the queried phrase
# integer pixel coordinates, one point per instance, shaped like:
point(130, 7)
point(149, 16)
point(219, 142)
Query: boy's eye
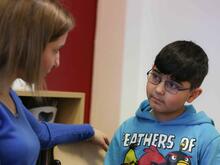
point(172, 85)
point(156, 77)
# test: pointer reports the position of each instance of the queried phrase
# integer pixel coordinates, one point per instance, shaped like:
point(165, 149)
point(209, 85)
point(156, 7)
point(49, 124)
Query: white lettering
point(158, 140)
point(140, 137)
point(170, 140)
point(147, 140)
point(155, 139)
point(126, 139)
point(162, 141)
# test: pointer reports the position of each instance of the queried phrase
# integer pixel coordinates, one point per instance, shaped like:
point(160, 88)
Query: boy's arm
point(114, 153)
point(212, 153)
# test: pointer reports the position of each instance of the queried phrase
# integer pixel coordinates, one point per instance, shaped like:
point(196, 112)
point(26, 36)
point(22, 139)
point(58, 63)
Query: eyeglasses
point(170, 86)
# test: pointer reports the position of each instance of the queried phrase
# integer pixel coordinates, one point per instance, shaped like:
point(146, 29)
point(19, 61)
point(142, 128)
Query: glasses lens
point(154, 78)
point(171, 86)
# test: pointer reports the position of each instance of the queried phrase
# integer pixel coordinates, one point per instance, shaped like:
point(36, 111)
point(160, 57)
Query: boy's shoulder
point(207, 131)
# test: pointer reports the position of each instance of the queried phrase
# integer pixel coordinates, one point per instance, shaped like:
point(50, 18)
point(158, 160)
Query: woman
point(32, 33)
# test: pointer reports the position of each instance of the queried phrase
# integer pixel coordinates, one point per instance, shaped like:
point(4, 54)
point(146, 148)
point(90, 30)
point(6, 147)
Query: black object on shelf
point(46, 157)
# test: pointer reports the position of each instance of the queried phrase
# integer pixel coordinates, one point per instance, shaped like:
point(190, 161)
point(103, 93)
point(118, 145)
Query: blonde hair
point(26, 27)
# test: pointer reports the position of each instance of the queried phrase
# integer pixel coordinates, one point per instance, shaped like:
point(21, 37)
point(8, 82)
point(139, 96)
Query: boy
point(164, 130)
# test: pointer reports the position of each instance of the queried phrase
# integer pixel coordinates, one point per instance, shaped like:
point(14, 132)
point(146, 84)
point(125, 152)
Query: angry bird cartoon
point(130, 157)
point(178, 158)
point(153, 157)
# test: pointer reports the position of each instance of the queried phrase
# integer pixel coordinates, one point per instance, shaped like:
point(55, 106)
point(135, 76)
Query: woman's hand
point(100, 139)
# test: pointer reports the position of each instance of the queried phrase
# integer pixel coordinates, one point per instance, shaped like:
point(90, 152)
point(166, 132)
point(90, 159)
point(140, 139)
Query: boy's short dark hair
point(184, 61)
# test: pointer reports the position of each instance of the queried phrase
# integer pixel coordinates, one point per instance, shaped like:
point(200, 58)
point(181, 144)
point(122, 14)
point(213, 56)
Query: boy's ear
point(194, 94)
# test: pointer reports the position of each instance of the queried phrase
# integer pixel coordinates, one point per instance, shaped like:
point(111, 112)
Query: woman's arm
point(51, 134)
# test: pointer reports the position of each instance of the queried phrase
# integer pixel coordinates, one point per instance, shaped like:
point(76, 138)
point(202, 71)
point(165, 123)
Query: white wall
point(129, 35)
point(169, 20)
point(131, 71)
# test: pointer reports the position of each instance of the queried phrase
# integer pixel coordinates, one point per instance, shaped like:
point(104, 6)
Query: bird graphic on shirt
point(153, 157)
point(130, 157)
point(177, 158)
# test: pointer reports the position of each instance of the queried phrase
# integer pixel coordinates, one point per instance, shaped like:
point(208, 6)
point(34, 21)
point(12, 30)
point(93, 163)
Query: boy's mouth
point(156, 100)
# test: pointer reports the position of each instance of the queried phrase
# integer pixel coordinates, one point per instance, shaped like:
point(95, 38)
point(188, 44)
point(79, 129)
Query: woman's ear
point(194, 94)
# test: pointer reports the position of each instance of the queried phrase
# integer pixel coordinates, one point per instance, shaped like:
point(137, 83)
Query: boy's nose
point(160, 88)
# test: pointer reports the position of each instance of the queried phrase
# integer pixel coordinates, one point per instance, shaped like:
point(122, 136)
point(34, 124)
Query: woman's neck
point(5, 84)
point(4, 90)
point(5, 97)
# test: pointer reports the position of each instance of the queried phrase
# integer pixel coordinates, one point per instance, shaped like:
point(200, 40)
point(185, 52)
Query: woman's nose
point(57, 61)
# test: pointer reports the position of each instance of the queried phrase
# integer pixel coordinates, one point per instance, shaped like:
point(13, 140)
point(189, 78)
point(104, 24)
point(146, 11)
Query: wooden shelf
point(70, 105)
point(56, 94)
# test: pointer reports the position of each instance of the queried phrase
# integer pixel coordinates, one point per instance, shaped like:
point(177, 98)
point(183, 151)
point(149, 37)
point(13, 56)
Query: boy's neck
point(167, 116)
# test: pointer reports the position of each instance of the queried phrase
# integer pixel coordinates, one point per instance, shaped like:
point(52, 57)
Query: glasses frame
point(165, 82)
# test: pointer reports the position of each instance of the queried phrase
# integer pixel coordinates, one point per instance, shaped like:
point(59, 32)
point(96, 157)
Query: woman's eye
point(56, 51)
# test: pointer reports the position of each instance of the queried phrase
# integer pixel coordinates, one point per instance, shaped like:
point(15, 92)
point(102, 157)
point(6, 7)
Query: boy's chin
point(156, 107)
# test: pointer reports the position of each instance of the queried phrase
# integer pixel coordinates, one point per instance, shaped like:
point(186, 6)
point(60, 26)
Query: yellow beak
point(182, 162)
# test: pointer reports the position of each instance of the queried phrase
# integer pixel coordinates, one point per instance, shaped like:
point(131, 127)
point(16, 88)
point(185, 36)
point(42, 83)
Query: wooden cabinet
point(70, 110)
point(70, 105)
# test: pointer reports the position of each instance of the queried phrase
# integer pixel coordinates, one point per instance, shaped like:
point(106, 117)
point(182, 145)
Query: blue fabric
point(22, 136)
point(190, 138)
